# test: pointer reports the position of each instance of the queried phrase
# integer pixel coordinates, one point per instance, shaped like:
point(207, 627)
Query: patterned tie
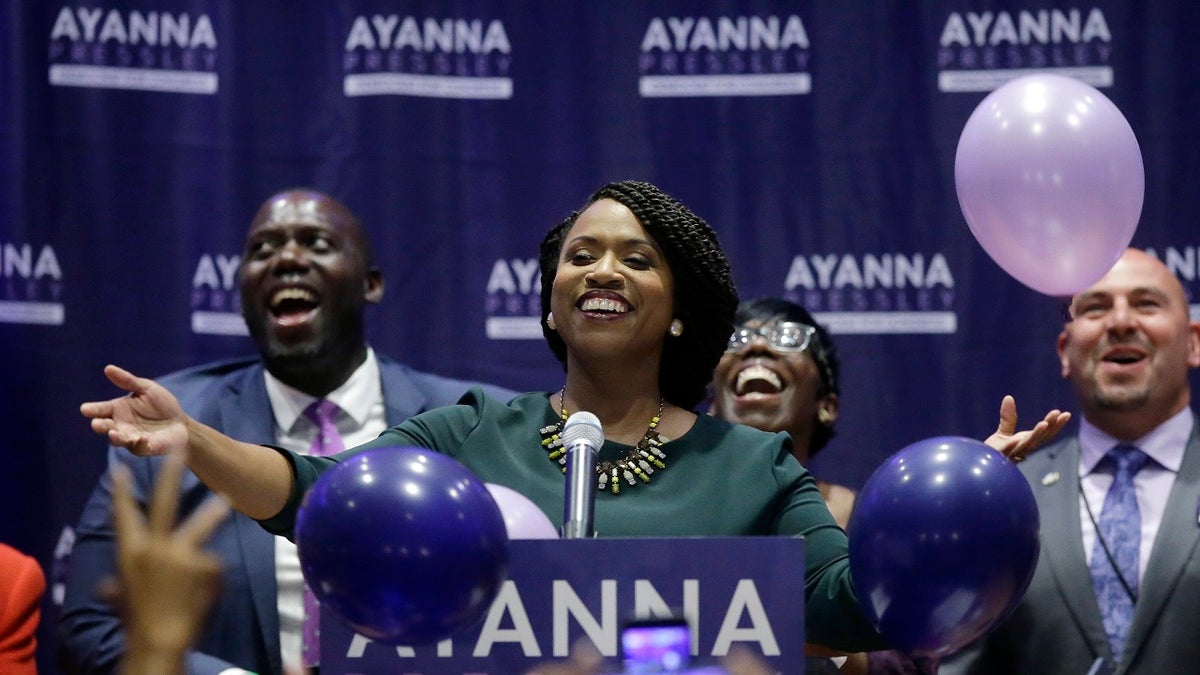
point(327, 442)
point(1121, 528)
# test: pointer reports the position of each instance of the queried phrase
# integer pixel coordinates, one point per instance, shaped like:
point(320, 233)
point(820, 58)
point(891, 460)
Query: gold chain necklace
point(639, 462)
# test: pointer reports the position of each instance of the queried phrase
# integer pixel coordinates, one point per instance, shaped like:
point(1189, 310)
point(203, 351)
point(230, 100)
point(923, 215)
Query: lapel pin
point(1050, 479)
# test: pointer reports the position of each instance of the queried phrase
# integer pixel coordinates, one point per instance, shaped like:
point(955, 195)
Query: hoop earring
point(676, 328)
point(550, 321)
point(825, 417)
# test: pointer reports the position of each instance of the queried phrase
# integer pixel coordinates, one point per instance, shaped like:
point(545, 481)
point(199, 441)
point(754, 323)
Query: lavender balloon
point(1050, 180)
point(522, 518)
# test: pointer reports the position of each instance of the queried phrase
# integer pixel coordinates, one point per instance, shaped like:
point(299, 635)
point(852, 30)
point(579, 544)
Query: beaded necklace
point(639, 462)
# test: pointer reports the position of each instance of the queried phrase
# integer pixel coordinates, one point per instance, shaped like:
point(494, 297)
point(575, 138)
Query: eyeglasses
point(788, 336)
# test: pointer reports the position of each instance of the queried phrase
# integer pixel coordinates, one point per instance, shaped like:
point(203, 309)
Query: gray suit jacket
point(1056, 629)
point(243, 628)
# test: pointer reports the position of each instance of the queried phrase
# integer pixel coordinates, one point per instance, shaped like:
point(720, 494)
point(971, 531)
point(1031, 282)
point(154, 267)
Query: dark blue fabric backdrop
point(139, 136)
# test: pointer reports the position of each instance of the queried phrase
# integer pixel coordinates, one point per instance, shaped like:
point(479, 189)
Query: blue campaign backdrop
point(137, 137)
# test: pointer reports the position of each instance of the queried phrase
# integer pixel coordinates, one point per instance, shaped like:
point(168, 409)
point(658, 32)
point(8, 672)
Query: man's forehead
point(304, 213)
point(296, 209)
point(1118, 291)
point(1135, 272)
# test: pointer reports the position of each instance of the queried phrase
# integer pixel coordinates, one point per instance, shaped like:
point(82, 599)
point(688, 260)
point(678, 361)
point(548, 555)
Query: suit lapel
point(401, 396)
point(1059, 510)
point(246, 416)
point(1174, 546)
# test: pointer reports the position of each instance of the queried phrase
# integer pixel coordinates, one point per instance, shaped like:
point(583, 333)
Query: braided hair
point(705, 296)
point(822, 349)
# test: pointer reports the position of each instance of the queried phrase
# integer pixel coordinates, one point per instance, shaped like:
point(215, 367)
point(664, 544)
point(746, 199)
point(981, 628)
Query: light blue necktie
point(1120, 527)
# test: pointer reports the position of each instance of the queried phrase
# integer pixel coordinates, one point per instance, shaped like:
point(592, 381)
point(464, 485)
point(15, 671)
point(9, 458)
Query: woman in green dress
point(638, 303)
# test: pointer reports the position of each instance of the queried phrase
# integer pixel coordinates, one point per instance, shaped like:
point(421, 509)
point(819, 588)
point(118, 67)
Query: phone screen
point(656, 646)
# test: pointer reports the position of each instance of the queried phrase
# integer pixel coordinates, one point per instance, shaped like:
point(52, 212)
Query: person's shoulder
point(840, 500)
point(1042, 459)
point(484, 402)
point(438, 386)
point(476, 409)
point(201, 389)
point(742, 436)
point(22, 573)
point(212, 371)
point(711, 424)
point(481, 397)
point(11, 557)
point(835, 491)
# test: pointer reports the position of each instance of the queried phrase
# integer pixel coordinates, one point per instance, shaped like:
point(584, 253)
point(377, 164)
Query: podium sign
point(746, 591)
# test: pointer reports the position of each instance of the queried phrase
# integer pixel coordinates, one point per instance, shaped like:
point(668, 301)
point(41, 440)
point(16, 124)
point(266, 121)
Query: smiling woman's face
point(767, 388)
point(613, 288)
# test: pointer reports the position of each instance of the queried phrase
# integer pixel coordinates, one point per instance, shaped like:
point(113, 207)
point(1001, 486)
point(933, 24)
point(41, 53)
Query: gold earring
point(676, 328)
point(550, 321)
point(825, 417)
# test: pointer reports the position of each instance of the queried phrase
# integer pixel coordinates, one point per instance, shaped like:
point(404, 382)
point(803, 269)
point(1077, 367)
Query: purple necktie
point(1120, 528)
point(327, 442)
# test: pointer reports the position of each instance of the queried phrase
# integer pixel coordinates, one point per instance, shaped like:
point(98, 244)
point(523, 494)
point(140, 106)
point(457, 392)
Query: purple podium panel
point(746, 591)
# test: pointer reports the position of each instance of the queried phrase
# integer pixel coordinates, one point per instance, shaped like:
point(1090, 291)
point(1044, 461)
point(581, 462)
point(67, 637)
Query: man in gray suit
point(306, 278)
point(1126, 349)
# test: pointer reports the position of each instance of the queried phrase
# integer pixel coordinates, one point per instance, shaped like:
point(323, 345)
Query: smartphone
point(659, 645)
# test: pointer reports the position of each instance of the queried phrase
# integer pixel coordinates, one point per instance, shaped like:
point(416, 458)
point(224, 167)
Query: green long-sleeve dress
point(720, 479)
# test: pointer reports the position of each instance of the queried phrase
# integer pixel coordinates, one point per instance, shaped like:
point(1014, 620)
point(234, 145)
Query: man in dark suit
point(306, 278)
point(1126, 349)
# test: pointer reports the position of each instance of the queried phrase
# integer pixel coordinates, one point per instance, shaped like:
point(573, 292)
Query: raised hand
point(1016, 445)
point(147, 421)
point(168, 582)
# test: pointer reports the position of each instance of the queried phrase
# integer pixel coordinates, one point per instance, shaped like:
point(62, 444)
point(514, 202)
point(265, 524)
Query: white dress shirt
point(362, 417)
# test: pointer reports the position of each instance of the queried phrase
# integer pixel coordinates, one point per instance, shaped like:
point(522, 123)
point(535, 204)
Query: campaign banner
point(745, 591)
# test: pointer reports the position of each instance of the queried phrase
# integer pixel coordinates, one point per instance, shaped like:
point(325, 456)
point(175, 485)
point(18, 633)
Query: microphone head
point(583, 426)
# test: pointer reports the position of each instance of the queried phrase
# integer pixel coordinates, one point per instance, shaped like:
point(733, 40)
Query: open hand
point(1016, 445)
point(168, 582)
point(147, 421)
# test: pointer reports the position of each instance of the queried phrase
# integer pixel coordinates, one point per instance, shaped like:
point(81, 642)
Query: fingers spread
point(126, 517)
point(126, 380)
point(164, 502)
point(204, 521)
point(96, 409)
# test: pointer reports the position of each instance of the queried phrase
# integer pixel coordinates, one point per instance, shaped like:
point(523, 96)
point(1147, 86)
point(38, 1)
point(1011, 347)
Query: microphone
point(582, 437)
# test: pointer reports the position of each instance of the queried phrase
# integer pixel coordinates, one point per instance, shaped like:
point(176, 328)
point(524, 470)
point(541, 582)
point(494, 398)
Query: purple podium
point(746, 591)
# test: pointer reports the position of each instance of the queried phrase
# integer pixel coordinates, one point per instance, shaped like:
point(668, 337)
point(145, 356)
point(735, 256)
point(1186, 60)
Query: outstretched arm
point(148, 421)
point(1017, 444)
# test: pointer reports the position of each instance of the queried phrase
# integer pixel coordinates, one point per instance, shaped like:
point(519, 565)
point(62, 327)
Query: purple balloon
point(403, 544)
point(522, 518)
point(1050, 180)
point(943, 544)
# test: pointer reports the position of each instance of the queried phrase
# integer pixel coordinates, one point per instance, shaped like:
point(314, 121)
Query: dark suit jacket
point(1057, 628)
point(243, 629)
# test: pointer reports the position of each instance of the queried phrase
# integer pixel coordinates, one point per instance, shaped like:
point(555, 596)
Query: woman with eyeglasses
point(638, 304)
point(780, 373)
